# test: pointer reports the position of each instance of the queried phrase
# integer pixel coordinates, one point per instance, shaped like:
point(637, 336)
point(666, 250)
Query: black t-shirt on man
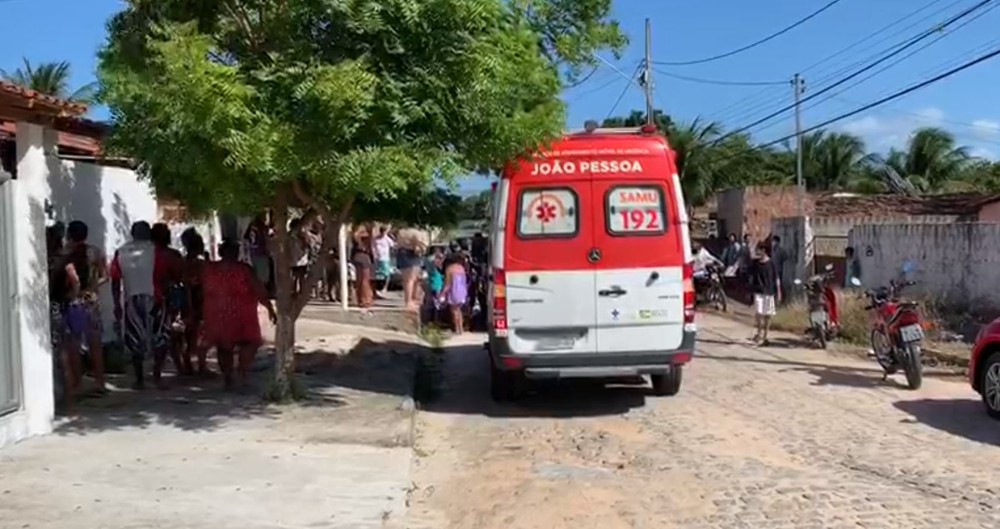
point(764, 277)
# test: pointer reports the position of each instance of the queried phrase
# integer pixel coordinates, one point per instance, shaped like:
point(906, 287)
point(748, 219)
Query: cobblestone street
point(778, 438)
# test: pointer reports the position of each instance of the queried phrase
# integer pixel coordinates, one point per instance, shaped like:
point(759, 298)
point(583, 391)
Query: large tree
point(52, 78)
point(246, 104)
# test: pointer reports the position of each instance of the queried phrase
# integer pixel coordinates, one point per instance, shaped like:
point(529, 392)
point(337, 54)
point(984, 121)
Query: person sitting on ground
point(232, 293)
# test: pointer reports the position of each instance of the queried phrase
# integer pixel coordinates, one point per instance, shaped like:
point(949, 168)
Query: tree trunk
point(282, 386)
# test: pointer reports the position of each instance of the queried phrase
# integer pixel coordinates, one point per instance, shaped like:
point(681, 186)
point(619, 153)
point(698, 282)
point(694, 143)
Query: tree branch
point(241, 19)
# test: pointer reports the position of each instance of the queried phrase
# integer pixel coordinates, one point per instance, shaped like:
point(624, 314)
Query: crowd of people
point(166, 303)
point(177, 304)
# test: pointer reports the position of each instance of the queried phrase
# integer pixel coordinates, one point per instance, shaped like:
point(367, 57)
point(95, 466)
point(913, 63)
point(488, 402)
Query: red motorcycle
point(897, 332)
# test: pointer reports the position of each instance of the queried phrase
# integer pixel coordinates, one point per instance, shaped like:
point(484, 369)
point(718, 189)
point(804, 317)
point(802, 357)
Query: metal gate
point(10, 372)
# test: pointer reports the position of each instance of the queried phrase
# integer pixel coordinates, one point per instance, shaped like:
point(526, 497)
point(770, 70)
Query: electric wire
point(890, 65)
point(754, 44)
point(896, 95)
point(912, 42)
point(720, 82)
point(762, 99)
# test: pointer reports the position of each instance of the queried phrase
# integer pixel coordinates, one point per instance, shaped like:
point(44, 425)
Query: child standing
point(456, 290)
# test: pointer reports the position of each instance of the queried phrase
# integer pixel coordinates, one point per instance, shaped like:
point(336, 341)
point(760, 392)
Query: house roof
point(18, 102)
point(958, 204)
point(68, 141)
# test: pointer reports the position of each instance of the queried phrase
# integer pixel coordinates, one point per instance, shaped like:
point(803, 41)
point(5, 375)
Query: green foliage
point(50, 78)
point(709, 161)
point(419, 207)
point(228, 101)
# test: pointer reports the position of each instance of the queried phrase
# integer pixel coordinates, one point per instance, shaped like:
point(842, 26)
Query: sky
point(73, 30)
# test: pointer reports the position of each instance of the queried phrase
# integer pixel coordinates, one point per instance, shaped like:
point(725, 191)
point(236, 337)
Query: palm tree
point(693, 143)
point(832, 160)
point(931, 159)
point(51, 78)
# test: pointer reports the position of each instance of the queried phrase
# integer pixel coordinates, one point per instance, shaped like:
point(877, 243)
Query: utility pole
point(647, 75)
point(798, 85)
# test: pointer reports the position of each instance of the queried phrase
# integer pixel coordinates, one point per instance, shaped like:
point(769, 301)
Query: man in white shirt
point(702, 259)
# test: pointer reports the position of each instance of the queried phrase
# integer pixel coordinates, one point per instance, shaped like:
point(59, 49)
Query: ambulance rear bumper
point(590, 365)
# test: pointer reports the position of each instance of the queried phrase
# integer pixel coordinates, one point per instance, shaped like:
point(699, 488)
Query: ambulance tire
point(669, 383)
point(505, 386)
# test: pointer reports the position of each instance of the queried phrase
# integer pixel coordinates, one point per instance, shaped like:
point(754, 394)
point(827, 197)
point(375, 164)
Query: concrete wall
point(831, 232)
point(959, 262)
point(729, 212)
point(29, 306)
point(796, 239)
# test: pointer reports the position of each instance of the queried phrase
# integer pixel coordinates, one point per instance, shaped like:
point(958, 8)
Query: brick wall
point(763, 204)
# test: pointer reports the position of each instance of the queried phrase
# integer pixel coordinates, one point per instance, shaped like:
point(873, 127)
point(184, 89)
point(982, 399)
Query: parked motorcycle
point(897, 331)
point(822, 306)
point(710, 288)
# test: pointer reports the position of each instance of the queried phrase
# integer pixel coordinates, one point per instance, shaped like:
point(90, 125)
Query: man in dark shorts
point(766, 287)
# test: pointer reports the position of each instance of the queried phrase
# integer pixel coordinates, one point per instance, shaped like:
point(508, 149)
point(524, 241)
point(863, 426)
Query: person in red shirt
point(232, 292)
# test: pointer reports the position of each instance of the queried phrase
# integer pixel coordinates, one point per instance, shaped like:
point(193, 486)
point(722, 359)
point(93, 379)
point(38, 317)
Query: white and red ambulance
point(591, 264)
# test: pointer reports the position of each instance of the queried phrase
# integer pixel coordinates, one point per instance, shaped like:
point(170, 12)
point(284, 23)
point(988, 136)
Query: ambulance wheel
point(669, 383)
point(505, 386)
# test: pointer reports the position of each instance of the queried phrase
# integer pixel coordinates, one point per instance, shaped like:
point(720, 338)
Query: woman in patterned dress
point(232, 293)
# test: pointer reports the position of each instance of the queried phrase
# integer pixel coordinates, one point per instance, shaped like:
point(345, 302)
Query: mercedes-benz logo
point(594, 255)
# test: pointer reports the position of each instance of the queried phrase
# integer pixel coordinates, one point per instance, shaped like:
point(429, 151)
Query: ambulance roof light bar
point(591, 127)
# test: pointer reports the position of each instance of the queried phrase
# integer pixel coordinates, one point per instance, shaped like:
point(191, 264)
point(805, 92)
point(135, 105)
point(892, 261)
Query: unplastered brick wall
point(762, 204)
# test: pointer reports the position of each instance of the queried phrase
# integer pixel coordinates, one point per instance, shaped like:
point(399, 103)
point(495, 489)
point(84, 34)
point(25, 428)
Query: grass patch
point(854, 327)
point(855, 324)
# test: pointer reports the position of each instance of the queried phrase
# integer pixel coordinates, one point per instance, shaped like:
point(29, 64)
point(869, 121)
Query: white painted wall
point(30, 310)
point(958, 262)
point(109, 200)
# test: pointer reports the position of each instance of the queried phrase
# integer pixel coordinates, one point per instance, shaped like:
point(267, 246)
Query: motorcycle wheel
point(820, 334)
point(720, 299)
point(912, 365)
point(881, 340)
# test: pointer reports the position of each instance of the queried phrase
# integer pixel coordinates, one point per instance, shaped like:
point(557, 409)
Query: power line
point(624, 91)
point(768, 101)
point(753, 44)
point(886, 99)
point(719, 81)
point(896, 62)
point(913, 41)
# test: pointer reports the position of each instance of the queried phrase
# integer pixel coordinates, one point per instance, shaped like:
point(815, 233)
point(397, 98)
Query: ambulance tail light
point(500, 302)
point(689, 294)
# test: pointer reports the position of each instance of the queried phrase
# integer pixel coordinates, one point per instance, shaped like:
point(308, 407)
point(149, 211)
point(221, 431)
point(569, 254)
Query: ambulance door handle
point(613, 292)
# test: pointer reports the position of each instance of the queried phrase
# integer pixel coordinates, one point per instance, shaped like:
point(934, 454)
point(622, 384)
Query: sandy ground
point(196, 457)
point(783, 437)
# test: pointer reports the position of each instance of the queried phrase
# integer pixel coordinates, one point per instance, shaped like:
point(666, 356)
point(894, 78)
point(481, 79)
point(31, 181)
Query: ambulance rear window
point(550, 212)
point(635, 210)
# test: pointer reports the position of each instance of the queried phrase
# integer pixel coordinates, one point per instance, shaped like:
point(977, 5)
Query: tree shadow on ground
point(963, 418)
point(330, 378)
point(467, 392)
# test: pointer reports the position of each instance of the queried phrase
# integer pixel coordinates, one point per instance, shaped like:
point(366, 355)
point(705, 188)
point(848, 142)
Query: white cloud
point(886, 130)
point(986, 128)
